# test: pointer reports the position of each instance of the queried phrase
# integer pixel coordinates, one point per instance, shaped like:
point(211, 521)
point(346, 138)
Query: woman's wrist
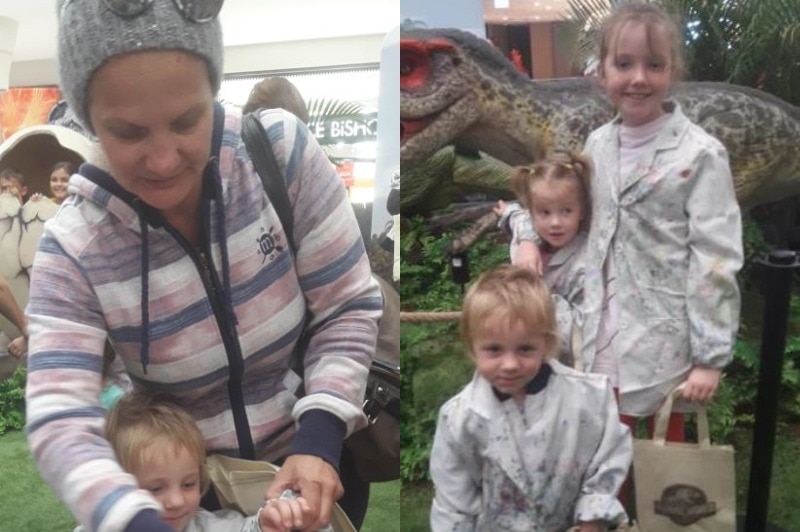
point(320, 434)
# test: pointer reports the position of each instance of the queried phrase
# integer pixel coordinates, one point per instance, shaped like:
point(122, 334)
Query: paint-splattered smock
point(673, 227)
point(215, 327)
point(557, 461)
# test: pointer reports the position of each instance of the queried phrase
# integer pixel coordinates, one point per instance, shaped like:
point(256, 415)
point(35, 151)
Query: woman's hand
point(318, 483)
point(701, 384)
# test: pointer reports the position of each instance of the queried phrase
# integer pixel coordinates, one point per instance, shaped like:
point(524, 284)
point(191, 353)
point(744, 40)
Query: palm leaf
point(324, 108)
point(586, 20)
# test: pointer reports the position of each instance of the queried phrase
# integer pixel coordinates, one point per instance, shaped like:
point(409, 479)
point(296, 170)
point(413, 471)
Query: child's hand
point(499, 208)
point(701, 384)
point(527, 255)
point(283, 515)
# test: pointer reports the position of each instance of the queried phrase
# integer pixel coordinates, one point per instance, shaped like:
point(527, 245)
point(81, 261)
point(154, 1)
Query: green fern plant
point(12, 402)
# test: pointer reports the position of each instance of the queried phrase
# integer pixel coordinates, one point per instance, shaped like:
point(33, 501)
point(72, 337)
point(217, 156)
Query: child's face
point(556, 211)
point(509, 355)
point(58, 184)
point(173, 477)
point(13, 186)
point(635, 75)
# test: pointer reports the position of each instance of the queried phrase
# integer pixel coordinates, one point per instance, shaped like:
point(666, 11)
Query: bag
point(240, 485)
point(687, 487)
point(376, 448)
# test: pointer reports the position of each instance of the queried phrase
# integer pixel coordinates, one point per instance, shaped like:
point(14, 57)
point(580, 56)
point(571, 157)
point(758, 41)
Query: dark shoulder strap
point(218, 129)
point(260, 150)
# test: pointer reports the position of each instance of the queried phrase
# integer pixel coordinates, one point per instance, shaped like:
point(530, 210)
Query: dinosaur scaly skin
point(457, 89)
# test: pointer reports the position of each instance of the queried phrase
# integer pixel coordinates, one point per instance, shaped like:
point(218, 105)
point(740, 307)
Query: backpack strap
point(260, 150)
point(218, 129)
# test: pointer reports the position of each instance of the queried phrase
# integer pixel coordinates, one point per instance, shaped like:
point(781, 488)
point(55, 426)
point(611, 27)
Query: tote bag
point(684, 487)
point(240, 485)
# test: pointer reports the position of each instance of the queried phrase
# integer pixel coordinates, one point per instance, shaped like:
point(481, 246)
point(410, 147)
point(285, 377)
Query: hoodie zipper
point(233, 352)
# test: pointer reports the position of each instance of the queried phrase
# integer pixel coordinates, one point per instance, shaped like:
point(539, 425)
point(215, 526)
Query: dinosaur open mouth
point(409, 128)
point(416, 66)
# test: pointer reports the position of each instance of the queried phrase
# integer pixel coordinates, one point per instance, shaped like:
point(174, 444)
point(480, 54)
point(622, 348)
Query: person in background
point(172, 251)
point(528, 444)
point(10, 309)
point(13, 182)
point(277, 93)
point(59, 179)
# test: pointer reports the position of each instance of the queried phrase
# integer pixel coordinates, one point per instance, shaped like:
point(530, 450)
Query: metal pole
point(778, 269)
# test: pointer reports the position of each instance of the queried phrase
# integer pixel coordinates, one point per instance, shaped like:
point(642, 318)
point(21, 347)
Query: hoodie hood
point(98, 186)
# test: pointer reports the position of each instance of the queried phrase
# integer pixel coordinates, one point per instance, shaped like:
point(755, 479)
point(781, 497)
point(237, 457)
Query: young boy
point(529, 444)
point(160, 444)
point(13, 182)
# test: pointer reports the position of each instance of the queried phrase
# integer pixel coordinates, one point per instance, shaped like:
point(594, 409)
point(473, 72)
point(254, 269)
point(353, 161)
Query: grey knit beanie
point(89, 34)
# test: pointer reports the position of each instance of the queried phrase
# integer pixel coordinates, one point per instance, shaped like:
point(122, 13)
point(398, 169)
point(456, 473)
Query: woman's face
point(58, 184)
point(153, 115)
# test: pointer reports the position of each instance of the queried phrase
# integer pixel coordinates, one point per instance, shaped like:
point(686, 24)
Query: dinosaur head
point(418, 76)
point(452, 86)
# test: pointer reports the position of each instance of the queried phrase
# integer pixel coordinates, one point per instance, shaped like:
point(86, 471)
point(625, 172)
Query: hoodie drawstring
point(227, 298)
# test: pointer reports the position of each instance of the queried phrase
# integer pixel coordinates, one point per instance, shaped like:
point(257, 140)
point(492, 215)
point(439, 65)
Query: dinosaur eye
point(415, 68)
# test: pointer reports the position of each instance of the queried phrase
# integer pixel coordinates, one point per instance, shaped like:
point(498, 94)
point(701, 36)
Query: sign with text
point(346, 129)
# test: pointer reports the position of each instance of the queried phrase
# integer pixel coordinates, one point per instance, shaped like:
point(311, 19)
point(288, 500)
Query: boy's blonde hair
point(509, 294)
point(559, 168)
point(138, 421)
point(652, 16)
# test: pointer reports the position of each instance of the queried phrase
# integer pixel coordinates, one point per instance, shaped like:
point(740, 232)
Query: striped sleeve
point(65, 420)
point(334, 274)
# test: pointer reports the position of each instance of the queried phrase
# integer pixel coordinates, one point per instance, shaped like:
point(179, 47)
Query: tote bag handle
point(662, 420)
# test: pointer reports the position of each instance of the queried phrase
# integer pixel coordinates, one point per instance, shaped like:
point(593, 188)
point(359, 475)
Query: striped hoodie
point(213, 327)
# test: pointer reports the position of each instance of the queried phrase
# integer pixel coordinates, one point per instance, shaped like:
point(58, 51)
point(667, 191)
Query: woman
point(171, 249)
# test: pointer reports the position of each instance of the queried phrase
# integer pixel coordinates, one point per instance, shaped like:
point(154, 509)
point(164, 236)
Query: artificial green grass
point(27, 504)
point(383, 514)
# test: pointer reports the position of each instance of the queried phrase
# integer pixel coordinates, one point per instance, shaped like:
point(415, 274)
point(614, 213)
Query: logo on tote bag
point(684, 504)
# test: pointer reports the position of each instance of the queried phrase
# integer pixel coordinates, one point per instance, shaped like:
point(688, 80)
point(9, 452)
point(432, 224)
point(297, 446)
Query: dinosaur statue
point(457, 89)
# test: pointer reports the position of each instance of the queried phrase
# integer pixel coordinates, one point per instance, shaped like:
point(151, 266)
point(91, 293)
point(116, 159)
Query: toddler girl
point(555, 194)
